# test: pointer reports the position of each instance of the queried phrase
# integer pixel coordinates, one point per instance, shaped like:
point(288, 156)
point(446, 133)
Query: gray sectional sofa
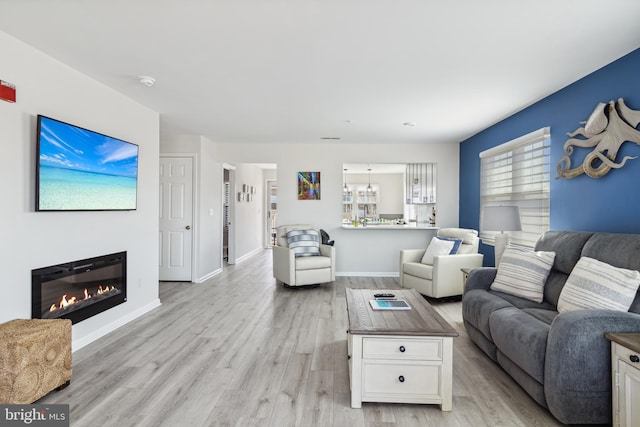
point(562, 361)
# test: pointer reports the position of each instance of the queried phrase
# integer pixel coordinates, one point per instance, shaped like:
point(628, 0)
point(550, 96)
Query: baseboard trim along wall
point(208, 276)
point(249, 255)
point(369, 273)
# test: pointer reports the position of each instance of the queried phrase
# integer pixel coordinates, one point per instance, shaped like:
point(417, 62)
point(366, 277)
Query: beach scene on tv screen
point(84, 170)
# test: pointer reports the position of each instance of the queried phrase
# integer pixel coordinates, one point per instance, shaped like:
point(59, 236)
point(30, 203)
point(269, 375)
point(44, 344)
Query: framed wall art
point(308, 185)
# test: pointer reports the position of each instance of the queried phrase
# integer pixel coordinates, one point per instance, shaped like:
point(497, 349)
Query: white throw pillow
point(523, 273)
point(594, 284)
point(435, 248)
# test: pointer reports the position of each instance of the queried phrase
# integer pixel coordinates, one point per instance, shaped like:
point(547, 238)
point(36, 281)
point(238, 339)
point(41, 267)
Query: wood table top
point(629, 340)
point(421, 320)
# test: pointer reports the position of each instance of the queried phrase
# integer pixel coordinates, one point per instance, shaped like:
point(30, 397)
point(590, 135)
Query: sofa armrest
point(577, 373)
point(284, 264)
point(480, 278)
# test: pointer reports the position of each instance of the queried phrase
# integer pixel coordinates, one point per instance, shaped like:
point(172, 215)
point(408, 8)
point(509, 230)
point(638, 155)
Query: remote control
point(381, 296)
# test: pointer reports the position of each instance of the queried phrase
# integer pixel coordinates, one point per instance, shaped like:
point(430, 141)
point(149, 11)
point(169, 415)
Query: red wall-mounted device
point(7, 91)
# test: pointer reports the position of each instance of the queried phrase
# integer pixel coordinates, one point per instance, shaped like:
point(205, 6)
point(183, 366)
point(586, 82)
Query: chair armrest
point(480, 278)
point(457, 262)
point(284, 264)
point(447, 273)
point(578, 362)
point(330, 251)
point(411, 255)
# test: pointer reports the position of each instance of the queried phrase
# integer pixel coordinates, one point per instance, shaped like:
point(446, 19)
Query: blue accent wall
point(611, 203)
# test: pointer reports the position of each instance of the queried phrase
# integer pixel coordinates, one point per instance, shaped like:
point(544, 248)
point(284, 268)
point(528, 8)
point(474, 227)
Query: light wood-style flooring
point(241, 350)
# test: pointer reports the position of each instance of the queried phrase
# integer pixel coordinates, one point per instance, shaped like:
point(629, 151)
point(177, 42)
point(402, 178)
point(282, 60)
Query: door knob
point(188, 227)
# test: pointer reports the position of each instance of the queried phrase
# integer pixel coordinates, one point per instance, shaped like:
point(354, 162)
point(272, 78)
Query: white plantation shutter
point(516, 173)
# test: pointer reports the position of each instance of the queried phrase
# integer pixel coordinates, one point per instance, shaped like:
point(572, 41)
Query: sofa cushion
point(417, 269)
point(542, 314)
point(522, 303)
point(597, 285)
point(523, 273)
point(566, 244)
point(522, 338)
point(437, 247)
point(477, 307)
point(304, 243)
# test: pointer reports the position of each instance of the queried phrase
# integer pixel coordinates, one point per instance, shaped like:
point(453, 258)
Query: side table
point(625, 379)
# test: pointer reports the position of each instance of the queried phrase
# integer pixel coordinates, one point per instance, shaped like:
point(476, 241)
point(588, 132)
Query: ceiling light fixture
point(369, 189)
point(147, 80)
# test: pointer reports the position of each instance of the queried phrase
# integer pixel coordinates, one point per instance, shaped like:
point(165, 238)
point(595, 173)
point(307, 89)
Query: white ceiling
point(295, 71)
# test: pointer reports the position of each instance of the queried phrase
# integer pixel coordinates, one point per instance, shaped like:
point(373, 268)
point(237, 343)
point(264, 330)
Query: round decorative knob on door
point(188, 227)
point(634, 358)
point(402, 349)
point(401, 378)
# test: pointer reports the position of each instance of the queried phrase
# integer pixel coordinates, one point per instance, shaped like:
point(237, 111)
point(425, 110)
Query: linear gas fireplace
point(80, 289)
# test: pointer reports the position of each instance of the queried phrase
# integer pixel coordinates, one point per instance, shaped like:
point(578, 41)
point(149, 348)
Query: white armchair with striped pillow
point(300, 258)
point(438, 274)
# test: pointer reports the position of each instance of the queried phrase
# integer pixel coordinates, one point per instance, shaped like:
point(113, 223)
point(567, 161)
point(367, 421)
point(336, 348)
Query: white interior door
point(176, 218)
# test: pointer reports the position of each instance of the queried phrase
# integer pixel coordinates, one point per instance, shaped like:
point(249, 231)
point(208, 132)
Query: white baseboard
point(369, 273)
point(249, 255)
point(208, 276)
point(99, 333)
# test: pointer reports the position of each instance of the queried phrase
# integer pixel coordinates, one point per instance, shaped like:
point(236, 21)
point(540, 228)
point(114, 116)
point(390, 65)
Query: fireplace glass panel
point(79, 289)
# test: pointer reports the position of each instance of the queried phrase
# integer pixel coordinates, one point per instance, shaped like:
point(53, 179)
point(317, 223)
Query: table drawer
point(402, 348)
point(417, 380)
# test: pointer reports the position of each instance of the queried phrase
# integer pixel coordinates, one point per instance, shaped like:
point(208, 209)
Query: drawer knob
point(401, 378)
point(402, 349)
point(634, 358)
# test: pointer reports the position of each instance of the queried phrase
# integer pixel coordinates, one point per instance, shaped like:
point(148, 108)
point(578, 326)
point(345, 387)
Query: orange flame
point(64, 302)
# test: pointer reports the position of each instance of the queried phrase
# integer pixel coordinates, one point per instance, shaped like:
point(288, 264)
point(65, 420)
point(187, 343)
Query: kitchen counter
point(410, 226)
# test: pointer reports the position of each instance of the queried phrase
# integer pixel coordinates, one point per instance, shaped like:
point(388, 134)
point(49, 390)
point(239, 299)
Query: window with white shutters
point(517, 173)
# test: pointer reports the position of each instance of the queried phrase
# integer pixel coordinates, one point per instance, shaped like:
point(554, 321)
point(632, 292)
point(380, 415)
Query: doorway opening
point(272, 213)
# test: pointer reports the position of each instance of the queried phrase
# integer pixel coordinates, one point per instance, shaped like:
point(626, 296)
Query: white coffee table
point(399, 356)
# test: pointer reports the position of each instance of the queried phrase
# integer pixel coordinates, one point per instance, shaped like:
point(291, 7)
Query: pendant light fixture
point(345, 189)
point(369, 189)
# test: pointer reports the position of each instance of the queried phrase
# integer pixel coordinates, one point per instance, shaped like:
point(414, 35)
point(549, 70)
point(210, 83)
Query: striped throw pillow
point(594, 284)
point(304, 242)
point(523, 273)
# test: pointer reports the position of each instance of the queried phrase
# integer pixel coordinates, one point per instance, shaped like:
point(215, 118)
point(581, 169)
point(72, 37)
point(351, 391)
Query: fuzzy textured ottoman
point(35, 358)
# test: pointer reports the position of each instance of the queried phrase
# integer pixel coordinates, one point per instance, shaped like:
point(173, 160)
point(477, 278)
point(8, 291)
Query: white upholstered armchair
point(433, 271)
point(309, 267)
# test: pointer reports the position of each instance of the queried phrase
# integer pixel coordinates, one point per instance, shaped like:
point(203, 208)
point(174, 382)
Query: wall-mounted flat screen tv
point(81, 170)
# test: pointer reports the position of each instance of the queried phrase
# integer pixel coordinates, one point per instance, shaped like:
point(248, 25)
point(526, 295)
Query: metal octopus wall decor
point(609, 126)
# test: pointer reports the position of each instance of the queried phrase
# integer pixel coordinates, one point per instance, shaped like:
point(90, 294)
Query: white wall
point(249, 216)
point(208, 185)
point(359, 252)
point(37, 239)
